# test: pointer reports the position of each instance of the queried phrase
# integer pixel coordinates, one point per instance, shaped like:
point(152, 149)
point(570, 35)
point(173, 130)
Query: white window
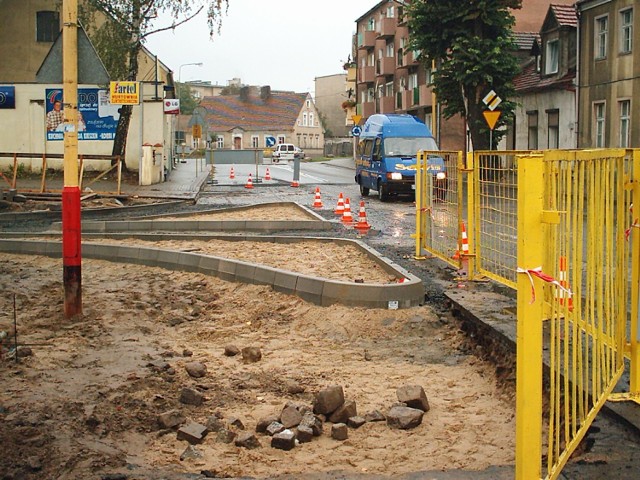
point(625, 122)
point(255, 141)
point(626, 30)
point(389, 89)
point(363, 62)
point(413, 81)
point(553, 128)
point(390, 50)
point(311, 120)
point(371, 93)
point(371, 26)
point(280, 139)
point(551, 62)
point(304, 119)
point(308, 103)
point(601, 30)
point(598, 115)
point(390, 12)
point(219, 141)
point(371, 60)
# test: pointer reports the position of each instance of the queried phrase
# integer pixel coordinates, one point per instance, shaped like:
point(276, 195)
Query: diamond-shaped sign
point(492, 100)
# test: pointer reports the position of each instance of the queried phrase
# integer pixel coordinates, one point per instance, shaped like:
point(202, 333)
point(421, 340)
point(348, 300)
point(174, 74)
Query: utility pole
point(71, 229)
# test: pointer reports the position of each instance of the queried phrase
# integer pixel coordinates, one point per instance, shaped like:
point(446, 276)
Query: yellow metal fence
point(561, 228)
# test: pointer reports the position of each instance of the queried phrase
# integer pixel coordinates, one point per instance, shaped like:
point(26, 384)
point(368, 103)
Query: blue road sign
point(356, 131)
point(271, 141)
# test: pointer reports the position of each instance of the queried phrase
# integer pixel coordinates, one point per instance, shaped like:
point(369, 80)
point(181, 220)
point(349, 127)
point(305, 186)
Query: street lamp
point(198, 64)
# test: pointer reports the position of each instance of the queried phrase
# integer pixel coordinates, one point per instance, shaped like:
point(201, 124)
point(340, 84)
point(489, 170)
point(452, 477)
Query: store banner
point(172, 106)
point(97, 118)
point(7, 97)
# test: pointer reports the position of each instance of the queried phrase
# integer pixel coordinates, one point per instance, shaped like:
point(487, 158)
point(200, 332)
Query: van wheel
point(364, 191)
point(383, 194)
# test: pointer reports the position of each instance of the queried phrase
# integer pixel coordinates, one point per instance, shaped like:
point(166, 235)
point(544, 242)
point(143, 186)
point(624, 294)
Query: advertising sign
point(7, 97)
point(125, 93)
point(97, 119)
point(172, 106)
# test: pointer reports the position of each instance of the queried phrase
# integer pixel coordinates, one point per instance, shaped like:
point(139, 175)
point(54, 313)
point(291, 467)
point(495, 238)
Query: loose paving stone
point(251, 354)
point(413, 396)
point(158, 365)
point(290, 416)
point(339, 431)
point(356, 422)
point(226, 436)
point(304, 434)
point(293, 387)
point(275, 428)
point(193, 433)
point(190, 452)
point(171, 419)
point(328, 400)
point(214, 424)
point(247, 440)
point(311, 421)
point(196, 369)
point(284, 440)
point(231, 350)
point(187, 353)
point(235, 422)
point(189, 396)
point(404, 418)
point(344, 412)
point(263, 423)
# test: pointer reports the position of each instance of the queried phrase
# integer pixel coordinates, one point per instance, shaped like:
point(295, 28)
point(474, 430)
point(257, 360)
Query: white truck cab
point(284, 151)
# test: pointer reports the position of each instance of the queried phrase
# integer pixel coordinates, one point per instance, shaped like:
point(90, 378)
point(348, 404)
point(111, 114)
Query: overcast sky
point(282, 43)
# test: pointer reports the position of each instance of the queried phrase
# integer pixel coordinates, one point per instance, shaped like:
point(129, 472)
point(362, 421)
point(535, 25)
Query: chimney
point(265, 93)
point(244, 93)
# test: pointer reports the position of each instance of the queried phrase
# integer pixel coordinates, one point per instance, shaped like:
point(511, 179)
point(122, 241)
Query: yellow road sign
point(196, 131)
point(356, 119)
point(491, 117)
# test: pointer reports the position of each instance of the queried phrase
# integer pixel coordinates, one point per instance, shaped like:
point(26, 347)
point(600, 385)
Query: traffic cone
point(563, 296)
point(464, 254)
point(317, 202)
point(362, 224)
point(249, 183)
point(232, 174)
point(295, 184)
point(340, 206)
point(267, 175)
point(347, 218)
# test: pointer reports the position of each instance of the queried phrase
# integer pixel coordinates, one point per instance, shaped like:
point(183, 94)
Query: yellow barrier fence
point(573, 284)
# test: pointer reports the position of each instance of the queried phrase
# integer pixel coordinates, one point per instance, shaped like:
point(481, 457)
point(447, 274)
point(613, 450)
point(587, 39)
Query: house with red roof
point(546, 114)
point(247, 120)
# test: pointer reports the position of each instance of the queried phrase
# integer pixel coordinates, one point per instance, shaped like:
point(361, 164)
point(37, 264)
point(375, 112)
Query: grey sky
point(282, 43)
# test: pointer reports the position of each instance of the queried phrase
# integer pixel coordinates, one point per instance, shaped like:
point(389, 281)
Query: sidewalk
point(184, 182)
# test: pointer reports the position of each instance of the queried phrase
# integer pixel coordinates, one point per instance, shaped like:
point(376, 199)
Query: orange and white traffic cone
point(362, 224)
point(317, 202)
point(267, 175)
point(347, 218)
point(249, 183)
point(232, 174)
point(295, 184)
point(463, 254)
point(340, 206)
point(563, 296)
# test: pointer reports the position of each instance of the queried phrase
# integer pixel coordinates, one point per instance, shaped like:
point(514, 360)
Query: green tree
point(472, 46)
point(132, 21)
point(188, 102)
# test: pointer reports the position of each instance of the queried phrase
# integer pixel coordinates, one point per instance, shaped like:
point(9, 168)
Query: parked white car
point(284, 151)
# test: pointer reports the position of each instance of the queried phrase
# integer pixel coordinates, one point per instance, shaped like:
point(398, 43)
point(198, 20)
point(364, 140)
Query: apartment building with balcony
point(389, 78)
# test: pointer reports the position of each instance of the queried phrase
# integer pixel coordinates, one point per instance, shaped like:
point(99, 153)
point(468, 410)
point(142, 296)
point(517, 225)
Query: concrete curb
point(320, 291)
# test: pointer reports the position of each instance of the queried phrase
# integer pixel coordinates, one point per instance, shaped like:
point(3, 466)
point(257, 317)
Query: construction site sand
point(87, 402)
point(309, 257)
point(287, 212)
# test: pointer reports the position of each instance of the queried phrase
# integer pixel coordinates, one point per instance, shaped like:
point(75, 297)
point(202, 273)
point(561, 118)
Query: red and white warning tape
point(537, 272)
point(627, 232)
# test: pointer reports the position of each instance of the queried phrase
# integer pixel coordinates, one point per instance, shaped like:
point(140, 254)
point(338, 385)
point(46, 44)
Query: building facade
point(608, 74)
point(330, 95)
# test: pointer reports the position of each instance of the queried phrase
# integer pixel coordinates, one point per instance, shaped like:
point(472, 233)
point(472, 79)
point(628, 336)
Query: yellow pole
point(529, 323)
point(71, 237)
point(634, 373)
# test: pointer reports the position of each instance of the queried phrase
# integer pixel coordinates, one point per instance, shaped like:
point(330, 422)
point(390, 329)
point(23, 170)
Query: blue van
point(386, 154)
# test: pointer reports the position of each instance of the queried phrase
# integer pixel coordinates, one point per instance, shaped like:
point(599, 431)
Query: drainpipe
point(577, 81)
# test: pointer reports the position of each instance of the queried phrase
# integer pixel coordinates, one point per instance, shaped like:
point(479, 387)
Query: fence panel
point(582, 221)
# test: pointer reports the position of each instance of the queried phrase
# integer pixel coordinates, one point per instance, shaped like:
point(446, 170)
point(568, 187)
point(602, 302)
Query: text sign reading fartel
point(125, 93)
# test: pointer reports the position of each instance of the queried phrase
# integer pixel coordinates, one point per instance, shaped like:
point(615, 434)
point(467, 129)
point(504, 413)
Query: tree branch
point(173, 26)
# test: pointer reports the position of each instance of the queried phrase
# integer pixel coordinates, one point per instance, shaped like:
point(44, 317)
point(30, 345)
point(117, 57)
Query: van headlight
point(441, 175)
point(396, 176)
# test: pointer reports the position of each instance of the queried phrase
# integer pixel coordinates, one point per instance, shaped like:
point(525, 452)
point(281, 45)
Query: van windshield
point(407, 146)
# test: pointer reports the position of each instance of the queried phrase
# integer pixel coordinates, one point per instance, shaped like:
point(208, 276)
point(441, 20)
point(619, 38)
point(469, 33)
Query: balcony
point(387, 105)
point(386, 66)
point(387, 28)
point(409, 59)
point(351, 74)
point(367, 39)
point(407, 99)
point(366, 75)
point(425, 95)
point(367, 109)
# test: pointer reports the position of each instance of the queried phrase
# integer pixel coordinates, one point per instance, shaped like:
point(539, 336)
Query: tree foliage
point(188, 102)
point(130, 22)
point(471, 44)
